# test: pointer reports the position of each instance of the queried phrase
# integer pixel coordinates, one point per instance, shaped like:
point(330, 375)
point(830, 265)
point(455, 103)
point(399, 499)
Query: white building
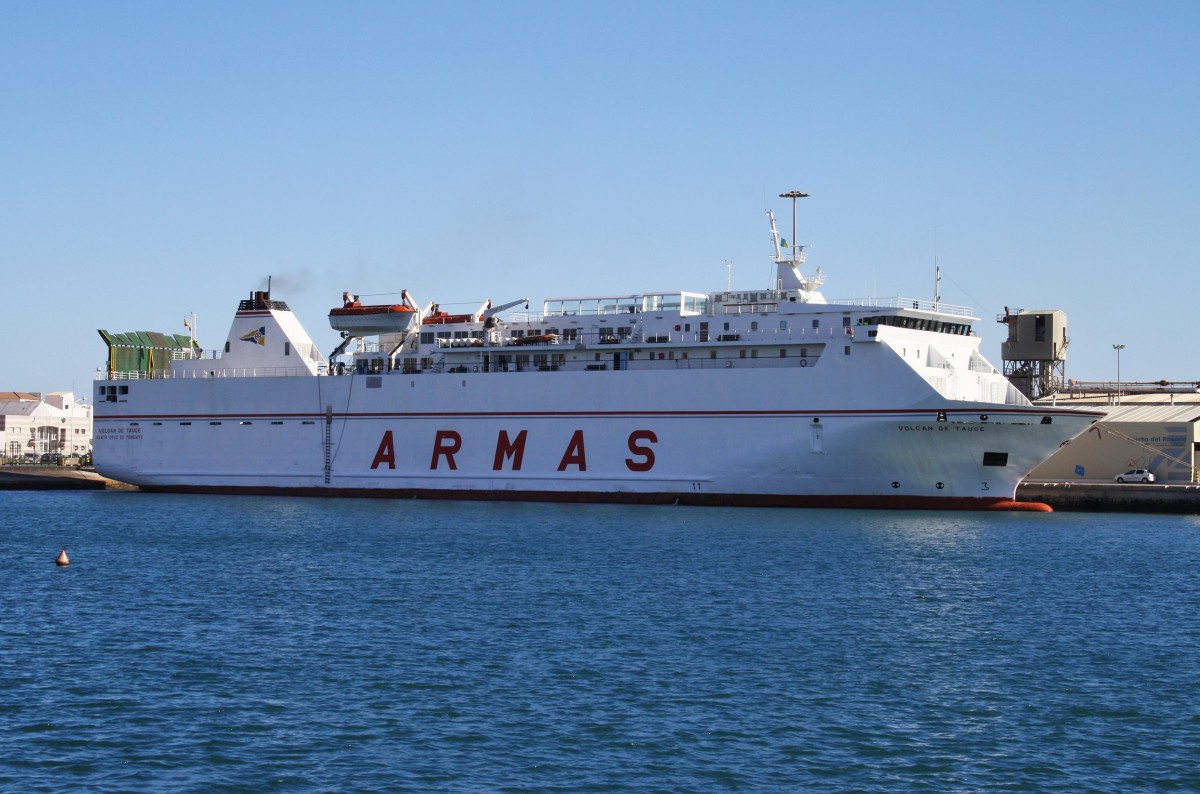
point(33, 425)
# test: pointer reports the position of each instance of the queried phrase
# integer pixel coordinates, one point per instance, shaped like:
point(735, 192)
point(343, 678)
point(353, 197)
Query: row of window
point(625, 331)
point(218, 422)
point(501, 361)
point(47, 430)
point(918, 324)
point(44, 429)
point(605, 332)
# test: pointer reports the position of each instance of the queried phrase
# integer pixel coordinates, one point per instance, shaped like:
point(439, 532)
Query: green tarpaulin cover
point(146, 352)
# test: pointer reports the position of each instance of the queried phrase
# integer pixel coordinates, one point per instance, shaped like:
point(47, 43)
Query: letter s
point(646, 452)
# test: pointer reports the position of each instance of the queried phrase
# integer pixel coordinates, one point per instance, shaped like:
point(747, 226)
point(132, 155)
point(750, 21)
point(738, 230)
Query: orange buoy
point(63, 559)
point(1025, 507)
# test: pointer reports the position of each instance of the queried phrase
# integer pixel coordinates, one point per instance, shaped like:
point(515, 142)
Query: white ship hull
point(772, 397)
point(693, 436)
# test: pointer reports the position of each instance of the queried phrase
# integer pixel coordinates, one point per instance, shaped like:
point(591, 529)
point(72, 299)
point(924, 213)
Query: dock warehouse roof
point(1156, 431)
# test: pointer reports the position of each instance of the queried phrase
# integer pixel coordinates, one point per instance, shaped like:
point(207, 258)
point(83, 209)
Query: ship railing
point(102, 374)
point(469, 341)
point(899, 302)
point(749, 308)
point(756, 336)
point(638, 335)
point(200, 373)
point(617, 307)
point(523, 317)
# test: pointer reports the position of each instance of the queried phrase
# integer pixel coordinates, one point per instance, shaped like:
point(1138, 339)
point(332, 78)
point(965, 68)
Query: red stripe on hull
point(870, 412)
point(626, 497)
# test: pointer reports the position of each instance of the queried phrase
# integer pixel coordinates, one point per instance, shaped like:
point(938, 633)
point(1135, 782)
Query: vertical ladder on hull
point(328, 441)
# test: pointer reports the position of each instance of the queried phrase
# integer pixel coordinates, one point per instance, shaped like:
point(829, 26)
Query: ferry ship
point(773, 397)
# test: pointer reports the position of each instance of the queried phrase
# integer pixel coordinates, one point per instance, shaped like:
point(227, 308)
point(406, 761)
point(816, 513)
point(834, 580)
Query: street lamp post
point(1118, 348)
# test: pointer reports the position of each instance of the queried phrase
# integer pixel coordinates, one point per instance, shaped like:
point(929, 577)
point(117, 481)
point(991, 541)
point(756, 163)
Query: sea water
point(225, 644)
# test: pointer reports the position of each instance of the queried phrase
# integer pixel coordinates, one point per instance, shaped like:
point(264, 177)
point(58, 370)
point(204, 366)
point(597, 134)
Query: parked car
point(1135, 475)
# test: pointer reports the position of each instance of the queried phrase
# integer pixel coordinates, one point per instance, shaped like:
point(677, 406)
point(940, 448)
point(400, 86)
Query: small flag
point(186, 324)
point(783, 242)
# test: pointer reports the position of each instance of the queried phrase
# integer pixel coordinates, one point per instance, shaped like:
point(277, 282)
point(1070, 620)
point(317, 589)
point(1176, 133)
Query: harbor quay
point(54, 478)
point(1112, 497)
point(1063, 496)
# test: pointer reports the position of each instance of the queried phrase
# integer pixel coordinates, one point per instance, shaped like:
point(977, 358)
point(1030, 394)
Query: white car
point(1135, 475)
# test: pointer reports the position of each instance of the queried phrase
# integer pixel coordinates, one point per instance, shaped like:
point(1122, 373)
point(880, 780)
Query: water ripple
point(229, 645)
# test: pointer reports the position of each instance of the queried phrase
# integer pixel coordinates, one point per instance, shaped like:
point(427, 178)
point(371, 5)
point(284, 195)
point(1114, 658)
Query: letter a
point(386, 452)
point(574, 455)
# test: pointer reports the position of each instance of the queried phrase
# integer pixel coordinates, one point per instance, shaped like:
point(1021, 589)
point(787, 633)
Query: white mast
point(937, 283)
point(793, 195)
point(190, 322)
point(775, 236)
point(788, 275)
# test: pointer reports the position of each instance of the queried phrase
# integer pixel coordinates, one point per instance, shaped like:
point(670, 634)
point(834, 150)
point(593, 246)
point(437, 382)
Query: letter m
point(513, 450)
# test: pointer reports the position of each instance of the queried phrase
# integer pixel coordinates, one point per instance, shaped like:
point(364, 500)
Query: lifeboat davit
point(358, 320)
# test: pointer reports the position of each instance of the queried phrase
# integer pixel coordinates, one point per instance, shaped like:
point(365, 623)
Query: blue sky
point(165, 158)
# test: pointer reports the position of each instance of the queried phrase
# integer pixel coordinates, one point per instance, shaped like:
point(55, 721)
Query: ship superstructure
point(764, 397)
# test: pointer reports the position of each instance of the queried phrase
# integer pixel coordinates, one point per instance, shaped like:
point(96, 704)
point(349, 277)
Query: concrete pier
point(1112, 497)
point(55, 478)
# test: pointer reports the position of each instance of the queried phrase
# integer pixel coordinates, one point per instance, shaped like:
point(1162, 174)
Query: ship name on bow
point(510, 451)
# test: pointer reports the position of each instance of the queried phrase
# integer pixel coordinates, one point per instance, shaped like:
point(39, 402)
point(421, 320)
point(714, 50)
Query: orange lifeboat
point(354, 318)
point(441, 318)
